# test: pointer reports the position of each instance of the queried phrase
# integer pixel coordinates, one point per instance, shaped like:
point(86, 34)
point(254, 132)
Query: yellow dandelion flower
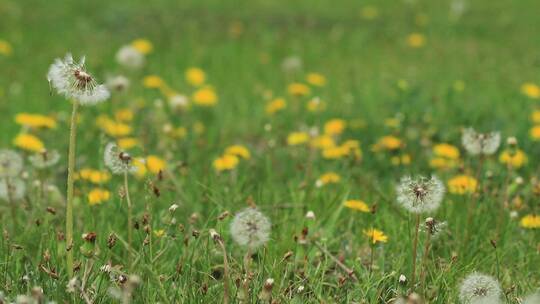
point(515, 159)
point(298, 89)
point(334, 126)
point(275, 106)
point(239, 151)
point(140, 166)
point(205, 97)
point(113, 128)
point(376, 236)
point(97, 196)
point(404, 159)
point(369, 12)
point(357, 205)
point(534, 132)
point(124, 115)
point(316, 79)
point(535, 116)
point(153, 82)
point(35, 120)
point(195, 76)
point(388, 143)
point(416, 40)
point(297, 138)
point(530, 221)
point(442, 163)
point(335, 152)
point(144, 46)
point(99, 177)
point(462, 184)
point(446, 150)
point(5, 48)
point(155, 164)
point(28, 142)
point(225, 162)
point(328, 178)
point(316, 105)
point(178, 133)
point(530, 90)
point(127, 143)
point(159, 233)
point(322, 142)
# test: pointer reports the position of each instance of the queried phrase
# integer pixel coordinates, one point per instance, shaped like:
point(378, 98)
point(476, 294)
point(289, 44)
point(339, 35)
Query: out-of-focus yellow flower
point(236, 28)
point(376, 236)
point(35, 120)
point(127, 143)
point(353, 148)
point(446, 151)
point(28, 142)
point(530, 90)
point(225, 162)
point(404, 159)
point(369, 12)
point(97, 196)
point(535, 116)
point(153, 82)
point(442, 163)
point(297, 138)
point(198, 127)
point(155, 164)
point(530, 221)
point(462, 184)
point(389, 143)
point(416, 40)
point(178, 133)
point(113, 128)
point(334, 126)
point(275, 105)
point(5, 48)
point(159, 233)
point(357, 205)
point(239, 151)
point(328, 178)
point(144, 46)
point(515, 158)
point(140, 165)
point(322, 142)
point(195, 76)
point(315, 105)
point(124, 115)
point(205, 97)
point(335, 152)
point(403, 84)
point(534, 132)
point(298, 89)
point(392, 122)
point(316, 79)
point(94, 176)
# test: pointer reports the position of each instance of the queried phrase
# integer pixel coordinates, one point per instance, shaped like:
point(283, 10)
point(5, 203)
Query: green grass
point(492, 48)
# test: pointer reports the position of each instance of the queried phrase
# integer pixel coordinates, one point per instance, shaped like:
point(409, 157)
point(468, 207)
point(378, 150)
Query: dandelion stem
point(11, 203)
point(225, 273)
point(425, 261)
point(472, 205)
point(129, 218)
point(500, 219)
point(70, 180)
point(247, 259)
point(415, 247)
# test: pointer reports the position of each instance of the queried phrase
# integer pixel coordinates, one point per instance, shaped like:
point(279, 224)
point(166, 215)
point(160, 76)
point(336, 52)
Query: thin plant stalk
point(226, 288)
point(11, 202)
point(425, 260)
point(247, 259)
point(500, 218)
point(415, 247)
point(473, 203)
point(129, 219)
point(70, 180)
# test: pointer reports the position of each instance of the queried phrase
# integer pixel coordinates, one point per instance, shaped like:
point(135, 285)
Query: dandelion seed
point(420, 194)
point(119, 162)
point(480, 143)
point(11, 163)
point(130, 57)
point(434, 227)
point(71, 79)
point(44, 159)
point(12, 190)
point(479, 288)
point(250, 228)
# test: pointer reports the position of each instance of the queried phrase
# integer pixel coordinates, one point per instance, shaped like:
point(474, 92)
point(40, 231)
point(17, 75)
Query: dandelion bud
point(223, 215)
point(88, 247)
point(511, 141)
point(310, 215)
point(266, 293)
point(402, 279)
point(215, 236)
point(71, 286)
point(173, 208)
point(111, 241)
point(300, 288)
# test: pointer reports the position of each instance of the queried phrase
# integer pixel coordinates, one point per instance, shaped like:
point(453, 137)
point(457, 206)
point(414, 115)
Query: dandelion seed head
point(250, 228)
point(119, 162)
point(479, 288)
point(71, 79)
point(44, 159)
point(11, 163)
point(130, 57)
point(420, 194)
point(12, 189)
point(117, 83)
point(480, 143)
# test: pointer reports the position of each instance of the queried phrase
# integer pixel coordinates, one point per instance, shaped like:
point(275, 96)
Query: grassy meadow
point(310, 112)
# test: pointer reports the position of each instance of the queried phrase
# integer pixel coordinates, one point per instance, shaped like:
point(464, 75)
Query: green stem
point(70, 180)
point(130, 219)
point(415, 247)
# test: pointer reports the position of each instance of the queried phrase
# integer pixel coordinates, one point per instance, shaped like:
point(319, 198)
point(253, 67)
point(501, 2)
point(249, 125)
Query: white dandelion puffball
point(44, 159)
point(117, 161)
point(480, 143)
point(178, 101)
point(420, 194)
point(71, 79)
point(532, 299)
point(12, 189)
point(291, 64)
point(250, 228)
point(11, 163)
point(479, 288)
point(130, 57)
point(117, 83)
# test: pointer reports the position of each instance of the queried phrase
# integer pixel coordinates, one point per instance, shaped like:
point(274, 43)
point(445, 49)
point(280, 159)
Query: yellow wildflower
point(239, 151)
point(195, 76)
point(35, 120)
point(159, 233)
point(369, 12)
point(198, 127)
point(462, 184)
point(275, 105)
point(531, 90)
point(416, 40)
point(140, 165)
point(316, 79)
point(113, 128)
point(97, 196)
point(334, 126)
point(442, 163)
point(335, 152)
point(535, 116)
point(28, 142)
point(446, 150)
point(322, 142)
point(357, 205)
point(387, 143)
point(298, 89)
point(124, 115)
point(328, 178)
point(144, 46)
point(515, 159)
point(534, 132)
point(205, 97)
point(155, 164)
point(99, 177)
point(376, 236)
point(297, 138)
point(530, 221)
point(127, 143)
point(404, 159)
point(5, 48)
point(316, 105)
point(225, 162)
point(153, 82)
